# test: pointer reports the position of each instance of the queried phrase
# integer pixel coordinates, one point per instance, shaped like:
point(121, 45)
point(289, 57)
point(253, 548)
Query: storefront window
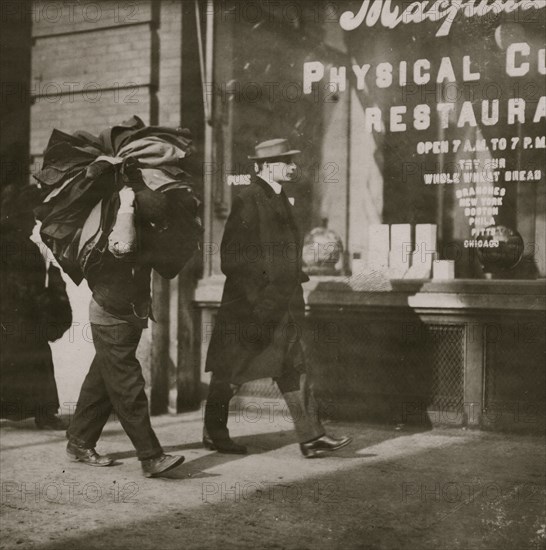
point(413, 114)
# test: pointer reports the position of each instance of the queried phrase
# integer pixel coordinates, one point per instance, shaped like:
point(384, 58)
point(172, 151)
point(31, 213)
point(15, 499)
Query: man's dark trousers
point(115, 382)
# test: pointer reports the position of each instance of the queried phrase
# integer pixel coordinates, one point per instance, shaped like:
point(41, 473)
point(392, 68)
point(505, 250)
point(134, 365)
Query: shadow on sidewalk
point(257, 444)
point(415, 500)
point(266, 442)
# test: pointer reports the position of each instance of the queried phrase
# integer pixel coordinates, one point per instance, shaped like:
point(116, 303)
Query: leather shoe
point(76, 453)
point(226, 446)
point(50, 422)
point(316, 447)
point(154, 467)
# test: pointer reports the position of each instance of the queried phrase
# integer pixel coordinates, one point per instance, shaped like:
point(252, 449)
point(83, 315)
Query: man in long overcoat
point(259, 324)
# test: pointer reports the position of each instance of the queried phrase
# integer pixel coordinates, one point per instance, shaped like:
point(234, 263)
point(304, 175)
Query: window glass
point(405, 113)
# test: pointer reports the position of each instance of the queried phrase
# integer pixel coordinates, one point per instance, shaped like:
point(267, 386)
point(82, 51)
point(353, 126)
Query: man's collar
point(277, 187)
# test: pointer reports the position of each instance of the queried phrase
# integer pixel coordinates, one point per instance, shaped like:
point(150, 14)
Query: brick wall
point(96, 63)
point(91, 66)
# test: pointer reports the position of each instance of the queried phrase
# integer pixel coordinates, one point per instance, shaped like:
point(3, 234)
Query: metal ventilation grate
point(446, 353)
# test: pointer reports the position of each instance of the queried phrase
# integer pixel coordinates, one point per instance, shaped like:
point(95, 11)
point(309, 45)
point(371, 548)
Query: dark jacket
point(259, 324)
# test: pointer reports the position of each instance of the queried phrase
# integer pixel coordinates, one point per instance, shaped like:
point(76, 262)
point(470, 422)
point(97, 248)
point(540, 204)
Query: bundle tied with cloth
point(82, 176)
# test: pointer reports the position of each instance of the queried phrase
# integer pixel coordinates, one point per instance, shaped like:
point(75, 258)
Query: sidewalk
point(439, 489)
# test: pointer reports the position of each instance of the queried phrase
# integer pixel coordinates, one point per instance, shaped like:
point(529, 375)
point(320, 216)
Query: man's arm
point(241, 251)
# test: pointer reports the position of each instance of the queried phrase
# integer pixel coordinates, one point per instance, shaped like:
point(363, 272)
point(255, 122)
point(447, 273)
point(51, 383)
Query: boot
point(227, 446)
point(326, 443)
point(215, 432)
point(90, 457)
point(50, 422)
point(155, 467)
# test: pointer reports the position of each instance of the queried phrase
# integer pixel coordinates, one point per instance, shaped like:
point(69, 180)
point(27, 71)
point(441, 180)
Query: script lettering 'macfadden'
point(382, 11)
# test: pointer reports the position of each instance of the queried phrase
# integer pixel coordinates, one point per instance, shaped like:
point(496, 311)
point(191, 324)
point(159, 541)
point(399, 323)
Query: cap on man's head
point(273, 149)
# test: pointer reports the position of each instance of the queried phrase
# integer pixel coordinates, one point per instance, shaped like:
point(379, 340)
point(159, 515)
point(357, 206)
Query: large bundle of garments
point(81, 177)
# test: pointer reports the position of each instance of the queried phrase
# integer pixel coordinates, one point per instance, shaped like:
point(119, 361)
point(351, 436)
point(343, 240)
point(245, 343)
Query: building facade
point(421, 184)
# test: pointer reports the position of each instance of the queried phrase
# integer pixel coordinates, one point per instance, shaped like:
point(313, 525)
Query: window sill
point(462, 294)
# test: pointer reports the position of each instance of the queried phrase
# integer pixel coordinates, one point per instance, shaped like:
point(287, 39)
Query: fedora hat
point(273, 148)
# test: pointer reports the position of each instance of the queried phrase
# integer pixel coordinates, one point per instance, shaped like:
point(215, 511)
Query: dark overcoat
point(260, 322)
point(27, 381)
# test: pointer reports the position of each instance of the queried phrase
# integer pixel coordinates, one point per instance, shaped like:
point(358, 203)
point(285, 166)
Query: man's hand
point(127, 197)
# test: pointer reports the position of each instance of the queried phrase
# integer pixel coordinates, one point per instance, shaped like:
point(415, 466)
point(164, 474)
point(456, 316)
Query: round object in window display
point(504, 252)
point(322, 252)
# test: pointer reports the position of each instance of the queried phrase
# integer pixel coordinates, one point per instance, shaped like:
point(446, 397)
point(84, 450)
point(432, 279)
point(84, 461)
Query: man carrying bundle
point(119, 205)
point(118, 313)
